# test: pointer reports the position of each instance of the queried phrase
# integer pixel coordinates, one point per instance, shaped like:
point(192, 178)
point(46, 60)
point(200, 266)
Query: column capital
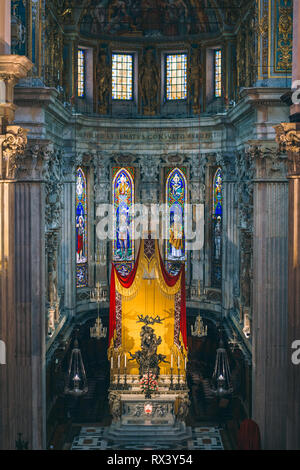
point(227, 161)
point(12, 147)
point(270, 161)
point(288, 138)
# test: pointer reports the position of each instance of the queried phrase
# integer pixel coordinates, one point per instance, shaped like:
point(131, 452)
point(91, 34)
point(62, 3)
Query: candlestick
point(111, 362)
point(125, 363)
point(171, 384)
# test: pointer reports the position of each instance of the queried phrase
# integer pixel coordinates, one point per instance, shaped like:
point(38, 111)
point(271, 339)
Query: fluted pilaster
point(270, 252)
point(288, 136)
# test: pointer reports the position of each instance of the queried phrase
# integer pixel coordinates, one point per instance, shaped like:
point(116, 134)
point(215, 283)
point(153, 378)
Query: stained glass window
point(81, 73)
point(122, 76)
point(123, 199)
point(81, 229)
point(175, 197)
point(176, 82)
point(218, 73)
point(217, 220)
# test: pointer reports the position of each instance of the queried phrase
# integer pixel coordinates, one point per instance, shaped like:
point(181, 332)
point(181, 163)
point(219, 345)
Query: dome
point(150, 18)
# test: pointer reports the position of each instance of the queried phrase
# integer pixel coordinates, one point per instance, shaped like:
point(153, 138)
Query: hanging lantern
point(76, 380)
point(199, 330)
point(221, 377)
point(98, 295)
point(98, 331)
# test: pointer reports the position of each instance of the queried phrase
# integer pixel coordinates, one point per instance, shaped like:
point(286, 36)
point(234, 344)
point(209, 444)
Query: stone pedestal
point(148, 421)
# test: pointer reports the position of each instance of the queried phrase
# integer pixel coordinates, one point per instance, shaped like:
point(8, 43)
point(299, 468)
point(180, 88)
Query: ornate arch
point(217, 222)
point(176, 187)
point(123, 228)
point(81, 229)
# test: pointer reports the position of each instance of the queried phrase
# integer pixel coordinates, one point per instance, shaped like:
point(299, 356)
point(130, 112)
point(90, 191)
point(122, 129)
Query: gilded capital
point(288, 138)
point(13, 146)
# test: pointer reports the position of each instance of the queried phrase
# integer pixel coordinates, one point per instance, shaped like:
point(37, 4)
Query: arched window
point(176, 199)
point(123, 200)
point(81, 230)
point(217, 219)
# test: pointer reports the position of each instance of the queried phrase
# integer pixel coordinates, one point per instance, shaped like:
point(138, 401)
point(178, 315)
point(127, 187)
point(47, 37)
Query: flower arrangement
point(149, 383)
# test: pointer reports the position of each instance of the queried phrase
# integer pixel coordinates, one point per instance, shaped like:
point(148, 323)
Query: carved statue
point(194, 81)
point(183, 409)
point(103, 80)
point(148, 83)
point(52, 283)
point(115, 406)
point(147, 358)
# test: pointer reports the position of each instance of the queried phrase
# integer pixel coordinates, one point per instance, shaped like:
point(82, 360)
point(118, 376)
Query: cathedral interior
point(180, 118)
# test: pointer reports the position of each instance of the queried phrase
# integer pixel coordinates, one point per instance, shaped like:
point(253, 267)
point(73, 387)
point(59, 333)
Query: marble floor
point(203, 438)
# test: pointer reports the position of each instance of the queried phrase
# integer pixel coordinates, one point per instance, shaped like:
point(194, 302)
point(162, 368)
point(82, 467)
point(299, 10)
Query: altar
point(148, 392)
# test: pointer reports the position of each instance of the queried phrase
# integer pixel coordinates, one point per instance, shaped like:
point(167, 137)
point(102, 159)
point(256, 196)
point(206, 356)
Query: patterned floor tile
point(203, 438)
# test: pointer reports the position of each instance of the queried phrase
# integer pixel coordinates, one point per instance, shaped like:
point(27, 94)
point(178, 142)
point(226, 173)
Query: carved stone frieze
point(150, 178)
point(270, 162)
point(53, 174)
point(70, 163)
point(102, 177)
point(245, 175)
point(228, 164)
point(197, 192)
point(54, 295)
point(115, 406)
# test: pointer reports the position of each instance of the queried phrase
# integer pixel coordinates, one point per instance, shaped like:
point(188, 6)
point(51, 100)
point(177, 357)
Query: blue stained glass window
point(176, 199)
point(123, 199)
point(217, 220)
point(176, 76)
point(81, 229)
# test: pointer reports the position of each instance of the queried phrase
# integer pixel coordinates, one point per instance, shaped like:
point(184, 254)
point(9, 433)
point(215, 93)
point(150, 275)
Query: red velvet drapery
point(125, 281)
point(171, 281)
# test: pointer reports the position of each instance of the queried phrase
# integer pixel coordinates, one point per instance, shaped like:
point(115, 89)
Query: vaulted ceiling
point(150, 18)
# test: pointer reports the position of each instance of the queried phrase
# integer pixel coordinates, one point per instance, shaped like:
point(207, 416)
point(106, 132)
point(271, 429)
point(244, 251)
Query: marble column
point(295, 108)
point(102, 192)
point(22, 298)
point(270, 252)
point(197, 196)
point(288, 136)
point(68, 234)
point(230, 250)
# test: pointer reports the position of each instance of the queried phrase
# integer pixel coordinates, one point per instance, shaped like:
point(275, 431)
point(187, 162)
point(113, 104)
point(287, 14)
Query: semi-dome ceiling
point(153, 18)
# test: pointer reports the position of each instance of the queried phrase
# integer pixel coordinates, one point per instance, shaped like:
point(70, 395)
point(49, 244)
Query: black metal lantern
point(76, 379)
point(221, 378)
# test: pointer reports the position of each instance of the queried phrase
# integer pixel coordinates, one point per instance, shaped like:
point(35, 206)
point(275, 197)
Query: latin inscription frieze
point(146, 135)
